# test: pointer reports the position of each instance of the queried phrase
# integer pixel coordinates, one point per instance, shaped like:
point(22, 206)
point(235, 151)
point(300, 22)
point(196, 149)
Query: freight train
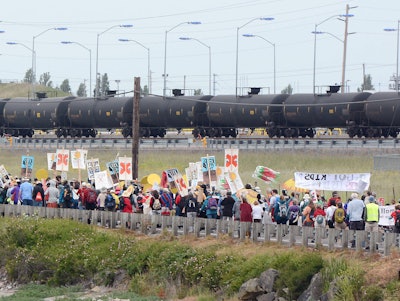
point(361, 114)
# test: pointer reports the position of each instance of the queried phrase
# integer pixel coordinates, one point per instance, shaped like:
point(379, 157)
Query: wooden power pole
point(135, 129)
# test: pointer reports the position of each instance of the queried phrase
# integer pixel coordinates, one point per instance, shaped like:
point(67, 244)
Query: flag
point(266, 174)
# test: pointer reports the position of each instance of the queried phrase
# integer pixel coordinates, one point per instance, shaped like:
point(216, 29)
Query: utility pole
point(346, 25)
point(135, 129)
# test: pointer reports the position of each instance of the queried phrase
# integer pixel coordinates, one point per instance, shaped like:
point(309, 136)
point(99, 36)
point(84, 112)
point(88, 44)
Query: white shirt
point(257, 212)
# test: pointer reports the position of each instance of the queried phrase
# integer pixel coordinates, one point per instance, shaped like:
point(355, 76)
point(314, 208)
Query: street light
point(209, 58)
point(148, 61)
point(315, 32)
point(237, 45)
point(165, 51)
point(397, 54)
point(97, 52)
point(273, 45)
point(34, 54)
point(90, 62)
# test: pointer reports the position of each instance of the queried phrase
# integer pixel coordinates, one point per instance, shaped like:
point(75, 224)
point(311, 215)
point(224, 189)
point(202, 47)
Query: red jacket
point(127, 205)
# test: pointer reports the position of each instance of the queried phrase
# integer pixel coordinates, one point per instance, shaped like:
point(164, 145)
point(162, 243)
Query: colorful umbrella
point(291, 186)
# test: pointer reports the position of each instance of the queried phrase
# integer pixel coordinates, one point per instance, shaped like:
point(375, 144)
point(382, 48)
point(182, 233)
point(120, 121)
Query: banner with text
point(357, 182)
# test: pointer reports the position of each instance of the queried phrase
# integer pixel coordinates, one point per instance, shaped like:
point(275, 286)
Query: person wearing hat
point(101, 199)
point(371, 218)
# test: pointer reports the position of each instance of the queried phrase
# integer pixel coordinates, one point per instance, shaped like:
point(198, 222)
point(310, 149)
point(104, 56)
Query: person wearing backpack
point(308, 214)
point(339, 217)
point(320, 216)
point(281, 210)
point(294, 213)
point(211, 206)
point(330, 211)
point(396, 216)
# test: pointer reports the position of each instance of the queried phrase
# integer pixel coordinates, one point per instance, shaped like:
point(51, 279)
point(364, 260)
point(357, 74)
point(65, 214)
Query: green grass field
point(286, 162)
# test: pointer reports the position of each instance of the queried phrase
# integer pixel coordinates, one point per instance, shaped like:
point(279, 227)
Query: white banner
point(51, 161)
point(102, 179)
point(78, 158)
point(93, 166)
point(62, 159)
point(384, 215)
point(232, 160)
point(125, 168)
point(358, 182)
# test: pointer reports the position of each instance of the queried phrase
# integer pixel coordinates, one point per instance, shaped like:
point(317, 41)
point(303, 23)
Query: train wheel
point(79, 133)
point(212, 133)
point(93, 133)
point(126, 132)
point(370, 133)
point(195, 133)
point(58, 133)
point(351, 132)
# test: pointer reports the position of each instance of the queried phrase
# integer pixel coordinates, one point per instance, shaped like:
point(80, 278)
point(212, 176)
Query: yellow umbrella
point(291, 186)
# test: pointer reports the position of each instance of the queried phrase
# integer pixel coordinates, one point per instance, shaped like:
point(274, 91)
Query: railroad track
point(250, 143)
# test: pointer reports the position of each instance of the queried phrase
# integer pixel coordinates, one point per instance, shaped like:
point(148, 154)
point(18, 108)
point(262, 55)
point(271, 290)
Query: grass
point(286, 162)
point(9, 90)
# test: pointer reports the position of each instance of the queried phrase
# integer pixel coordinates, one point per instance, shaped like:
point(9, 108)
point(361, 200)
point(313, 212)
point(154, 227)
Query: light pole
point(396, 81)
point(165, 51)
point(117, 81)
point(209, 58)
point(273, 45)
point(237, 46)
point(315, 32)
point(97, 52)
point(90, 62)
point(148, 61)
point(34, 54)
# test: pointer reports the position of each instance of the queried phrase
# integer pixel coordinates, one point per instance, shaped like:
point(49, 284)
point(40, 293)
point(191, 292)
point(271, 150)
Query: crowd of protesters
point(310, 210)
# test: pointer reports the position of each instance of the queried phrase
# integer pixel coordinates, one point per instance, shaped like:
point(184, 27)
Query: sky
point(236, 61)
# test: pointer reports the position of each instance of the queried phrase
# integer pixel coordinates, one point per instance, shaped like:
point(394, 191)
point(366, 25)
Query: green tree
point(198, 92)
point(367, 84)
point(28, 76)
point(104, 85)
point(45, 80)
point(81, 90)
point(144, 91)
point(65, 87)
point(287, 90)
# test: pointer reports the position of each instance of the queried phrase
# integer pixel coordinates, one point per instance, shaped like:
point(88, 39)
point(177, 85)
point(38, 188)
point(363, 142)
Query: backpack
point(192, 204)
point(397, 222)
point(156, 204)
point(212, 204)
point(320, 219)
point(67, 194)
point(293, 216)
point(121, 203)
point(282, 212)
point(110, 202)
point(167, 200)
point(339, 215)
point(311, 215)
point(92, 197)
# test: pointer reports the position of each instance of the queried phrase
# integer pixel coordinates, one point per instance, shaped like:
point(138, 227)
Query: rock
point(267, 297)
point(250, 290)
point(267, 279)
point(314, 290)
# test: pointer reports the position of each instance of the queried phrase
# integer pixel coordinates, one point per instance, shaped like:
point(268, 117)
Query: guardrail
point(212, 143)
point(332, 239)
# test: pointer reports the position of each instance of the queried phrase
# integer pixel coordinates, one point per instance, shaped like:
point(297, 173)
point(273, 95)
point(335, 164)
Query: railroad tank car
point(2, 104)
point(382, 111)
point(88, 114)
point(22, 116)
point(304, 112)
point(157, 114)
point(227, 113)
